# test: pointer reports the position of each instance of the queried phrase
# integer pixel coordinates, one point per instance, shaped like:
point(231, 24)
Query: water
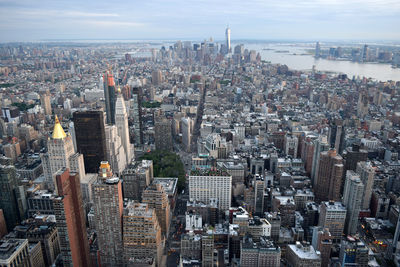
point(300, 61)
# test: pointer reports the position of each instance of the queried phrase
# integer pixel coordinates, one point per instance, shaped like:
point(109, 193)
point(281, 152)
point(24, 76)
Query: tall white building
point(61, 154)
point(121, 121)
point(186, 133)
point(208, 184)
point(320, 145)
point(367, 175)
point(115, 150)
point(352, 199)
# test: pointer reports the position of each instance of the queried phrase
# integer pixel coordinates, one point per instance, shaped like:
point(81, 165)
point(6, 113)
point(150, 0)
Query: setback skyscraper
point(121, 121)
point(110, 96)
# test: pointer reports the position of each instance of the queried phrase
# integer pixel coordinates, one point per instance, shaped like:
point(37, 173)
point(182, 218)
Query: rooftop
point(10, 246)
point(211, 172)
point(304, 251)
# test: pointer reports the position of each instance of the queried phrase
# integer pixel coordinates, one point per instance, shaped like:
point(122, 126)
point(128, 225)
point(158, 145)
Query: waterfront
point(296, 58)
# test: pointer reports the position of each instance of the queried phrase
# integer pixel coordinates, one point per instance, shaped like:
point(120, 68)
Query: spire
point(58, 131)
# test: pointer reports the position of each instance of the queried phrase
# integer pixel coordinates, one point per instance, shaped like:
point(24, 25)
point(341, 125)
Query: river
point(301, 61)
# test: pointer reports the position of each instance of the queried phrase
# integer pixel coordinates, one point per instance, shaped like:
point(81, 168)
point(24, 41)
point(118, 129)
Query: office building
point(110, 97)
point(136, 178)
point(35, 254)
point(259, 197)
point(320, 145)
point(333, 216)
point(14, 252)
point(163, 133)
point(336, 135)
point(108, 209)
point(90, 138)
point(329, 179)
point(352, 199)
point(302, 255)
point(115, 152)
point(317, 50)
point(136, 114)
point(211, 184)
point(45, 102)
point(60, 154)
point(259, 254)
point(156, 77)
point(354, 154)
point(157, 199)
point(11, 198)
point(121, 121)
point(191, 246)
point(142, 234)
point(70, 218)
point(291, 145)
point(367, 175)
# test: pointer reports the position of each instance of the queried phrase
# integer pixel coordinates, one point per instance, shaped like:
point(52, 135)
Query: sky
point(27, 20)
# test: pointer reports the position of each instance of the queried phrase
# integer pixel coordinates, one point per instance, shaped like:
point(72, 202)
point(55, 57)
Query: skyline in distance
point(366, 20)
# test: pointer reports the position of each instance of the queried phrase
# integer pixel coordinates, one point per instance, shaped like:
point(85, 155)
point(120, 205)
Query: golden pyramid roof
point(58, 131)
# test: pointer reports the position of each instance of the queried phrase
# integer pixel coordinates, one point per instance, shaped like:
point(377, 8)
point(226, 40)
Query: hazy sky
point(23, 20)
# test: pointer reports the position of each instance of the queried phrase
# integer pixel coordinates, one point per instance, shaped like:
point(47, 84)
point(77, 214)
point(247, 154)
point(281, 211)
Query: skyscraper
point(115, 149)
point(228, 39)
point(10, 196)
point(336, 135)
point(186, 133)
point(108, 209)
point(110, 96)
point(320, 145)
point(157, 199)
point(90, 138)
point(136, 178)
point(330, 172)
point(317, 50)
point(142, 235)
point(162, 133)
point(70, 217)
point(136, 113)
point(60, 154)
point(367, 175)
point(352, 199)
point(45, 102)
point(333, 216)
point(259, 197)
point(121, 121)
point(156, 77)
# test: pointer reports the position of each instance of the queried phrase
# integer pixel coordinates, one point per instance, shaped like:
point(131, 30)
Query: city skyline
point(261, 20)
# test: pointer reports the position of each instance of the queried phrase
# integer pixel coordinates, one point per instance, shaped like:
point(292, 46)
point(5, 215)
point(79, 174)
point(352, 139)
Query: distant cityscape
point(196, 154)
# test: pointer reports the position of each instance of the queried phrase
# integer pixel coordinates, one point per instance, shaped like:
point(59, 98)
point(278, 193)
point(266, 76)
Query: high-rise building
point(259, 197)
point(14, 252)
point(110, 97)
point(142, 235)
point(11, 200)
point(156, 77)
point(330, 172)
point(207, 249)
point(136, 178)
point(71, 222)
point(163, 133)
point(136, 114)
point(352, 199)
point(115, 149)
point(60, 154)
point(336, 135)
point(90, 138)
point(186, 133)
point(211, 184)
point(322, 242)
point(302, 255)
point(45, 102)
point(191, 246)
point(291, 145)
point(355, 154)
point(362, 104)
point(320, 145)
point(157, 199)
point(317, 50)
point(228, 39)
point(333, 216)
point(367, 175)
point(108, 209)
point(121, 121)
point(262, 253)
